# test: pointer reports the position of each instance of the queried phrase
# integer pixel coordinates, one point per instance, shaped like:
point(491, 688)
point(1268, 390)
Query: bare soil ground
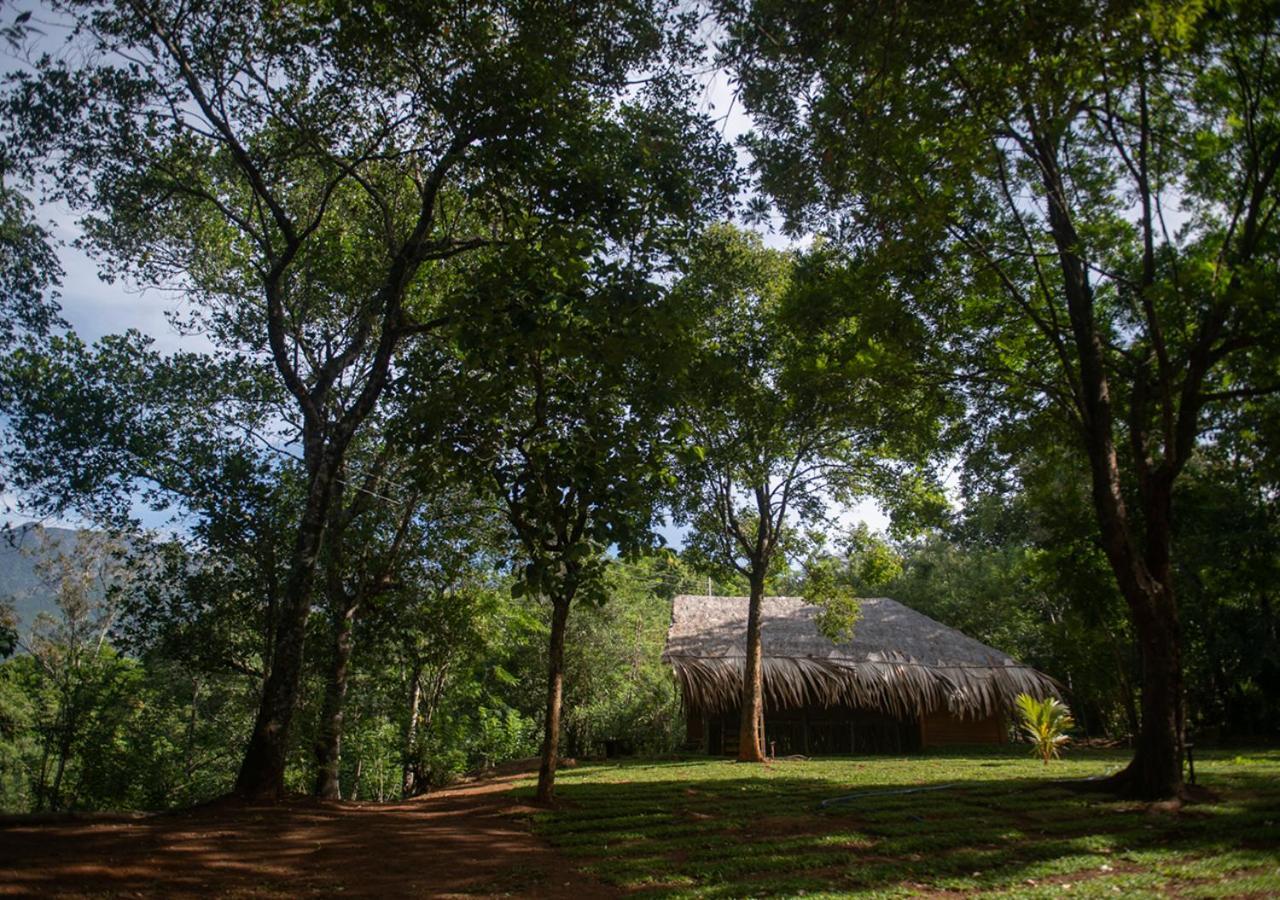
point(471, 840)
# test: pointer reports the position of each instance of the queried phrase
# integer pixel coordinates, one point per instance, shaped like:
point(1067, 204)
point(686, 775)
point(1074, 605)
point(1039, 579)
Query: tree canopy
point(781, 404)
point(480, 322)
point(1086, 193)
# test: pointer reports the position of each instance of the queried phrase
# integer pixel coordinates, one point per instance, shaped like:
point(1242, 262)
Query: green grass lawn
point(709, 828)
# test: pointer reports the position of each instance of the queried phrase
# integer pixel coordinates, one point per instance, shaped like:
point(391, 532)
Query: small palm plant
point(1046, 722)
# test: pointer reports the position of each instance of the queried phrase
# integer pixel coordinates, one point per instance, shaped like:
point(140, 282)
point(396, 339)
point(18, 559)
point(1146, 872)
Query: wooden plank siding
point(838, 731)
point(942, 729)
point(694, 730)
point(811, 731)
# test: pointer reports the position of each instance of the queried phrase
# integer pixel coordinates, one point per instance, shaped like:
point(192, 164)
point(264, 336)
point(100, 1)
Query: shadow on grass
point(711, 828)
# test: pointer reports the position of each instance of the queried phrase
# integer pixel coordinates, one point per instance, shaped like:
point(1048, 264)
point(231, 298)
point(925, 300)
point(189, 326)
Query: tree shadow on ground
point(453, 843)
point(765, 833)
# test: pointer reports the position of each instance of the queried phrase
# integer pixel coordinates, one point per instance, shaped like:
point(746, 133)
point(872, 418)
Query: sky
point(94, 307)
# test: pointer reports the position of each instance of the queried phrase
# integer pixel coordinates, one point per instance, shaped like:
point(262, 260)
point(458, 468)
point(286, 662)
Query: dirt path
point(472, 840)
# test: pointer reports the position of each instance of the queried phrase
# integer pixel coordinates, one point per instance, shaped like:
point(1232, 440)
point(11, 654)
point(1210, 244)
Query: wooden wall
point(694, 733)
point(839, 731)
point(942, 729)
point(812, 731)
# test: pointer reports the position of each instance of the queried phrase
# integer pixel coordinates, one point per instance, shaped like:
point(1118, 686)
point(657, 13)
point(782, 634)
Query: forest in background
point(159, 721)
point(484, 311)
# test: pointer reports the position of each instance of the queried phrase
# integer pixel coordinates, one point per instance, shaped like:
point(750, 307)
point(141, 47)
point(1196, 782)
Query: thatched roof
point(899, 661)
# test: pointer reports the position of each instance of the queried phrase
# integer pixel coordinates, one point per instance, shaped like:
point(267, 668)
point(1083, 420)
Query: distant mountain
point(19, 551)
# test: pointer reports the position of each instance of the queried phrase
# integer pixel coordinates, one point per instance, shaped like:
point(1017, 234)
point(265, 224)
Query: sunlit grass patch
point(713, 828)
point(1125, 885)
point(1263, 883)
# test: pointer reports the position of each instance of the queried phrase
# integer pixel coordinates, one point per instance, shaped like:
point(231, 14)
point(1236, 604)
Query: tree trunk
point(1146, 583)
point(189, 751)
point(1155, 773)
point(66, 738)
point(42, 786)
point(55, 792)
point(329, 741)
point(555, 693)
point(409, 776)
point(1143, 576)
point(262, 770)
point(751, 729)
point(1145, 580)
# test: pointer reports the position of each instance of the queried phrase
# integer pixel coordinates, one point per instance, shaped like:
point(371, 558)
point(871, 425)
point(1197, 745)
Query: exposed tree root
point(1125, 785)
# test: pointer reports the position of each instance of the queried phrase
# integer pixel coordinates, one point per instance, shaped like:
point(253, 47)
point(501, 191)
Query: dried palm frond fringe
point(897, 660)
point(894, 684)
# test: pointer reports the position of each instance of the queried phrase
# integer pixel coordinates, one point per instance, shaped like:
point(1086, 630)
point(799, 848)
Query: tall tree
point(1095, 183)
point(551, 362)
point(403, 539)
point(301, 172)
point(788, 402)
point(370, 532)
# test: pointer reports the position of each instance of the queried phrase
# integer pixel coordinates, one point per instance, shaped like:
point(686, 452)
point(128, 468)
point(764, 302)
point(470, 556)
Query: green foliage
point(102, 431)
point(784, 402)
point(1045, 723)
point(91, 428)
point(1020, 572)
point(1030, 586)
point(542, 391)
point(461, 641)
point(457, 256)
point(29, 272)
point(308, 188)
point(838, 607)
point(19, 741)
point(618, 690)
point(1228, 543)
point(1080, 201)
point(866, 561)
point(8, 629)
point(85, 727)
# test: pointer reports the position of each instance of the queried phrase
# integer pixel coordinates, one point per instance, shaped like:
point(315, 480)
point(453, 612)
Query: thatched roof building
point(900, 664)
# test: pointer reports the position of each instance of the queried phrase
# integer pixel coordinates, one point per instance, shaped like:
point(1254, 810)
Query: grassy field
point(709, 828)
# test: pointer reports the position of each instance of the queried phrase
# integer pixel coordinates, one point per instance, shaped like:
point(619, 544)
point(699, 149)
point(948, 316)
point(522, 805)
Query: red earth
point(471, 840)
